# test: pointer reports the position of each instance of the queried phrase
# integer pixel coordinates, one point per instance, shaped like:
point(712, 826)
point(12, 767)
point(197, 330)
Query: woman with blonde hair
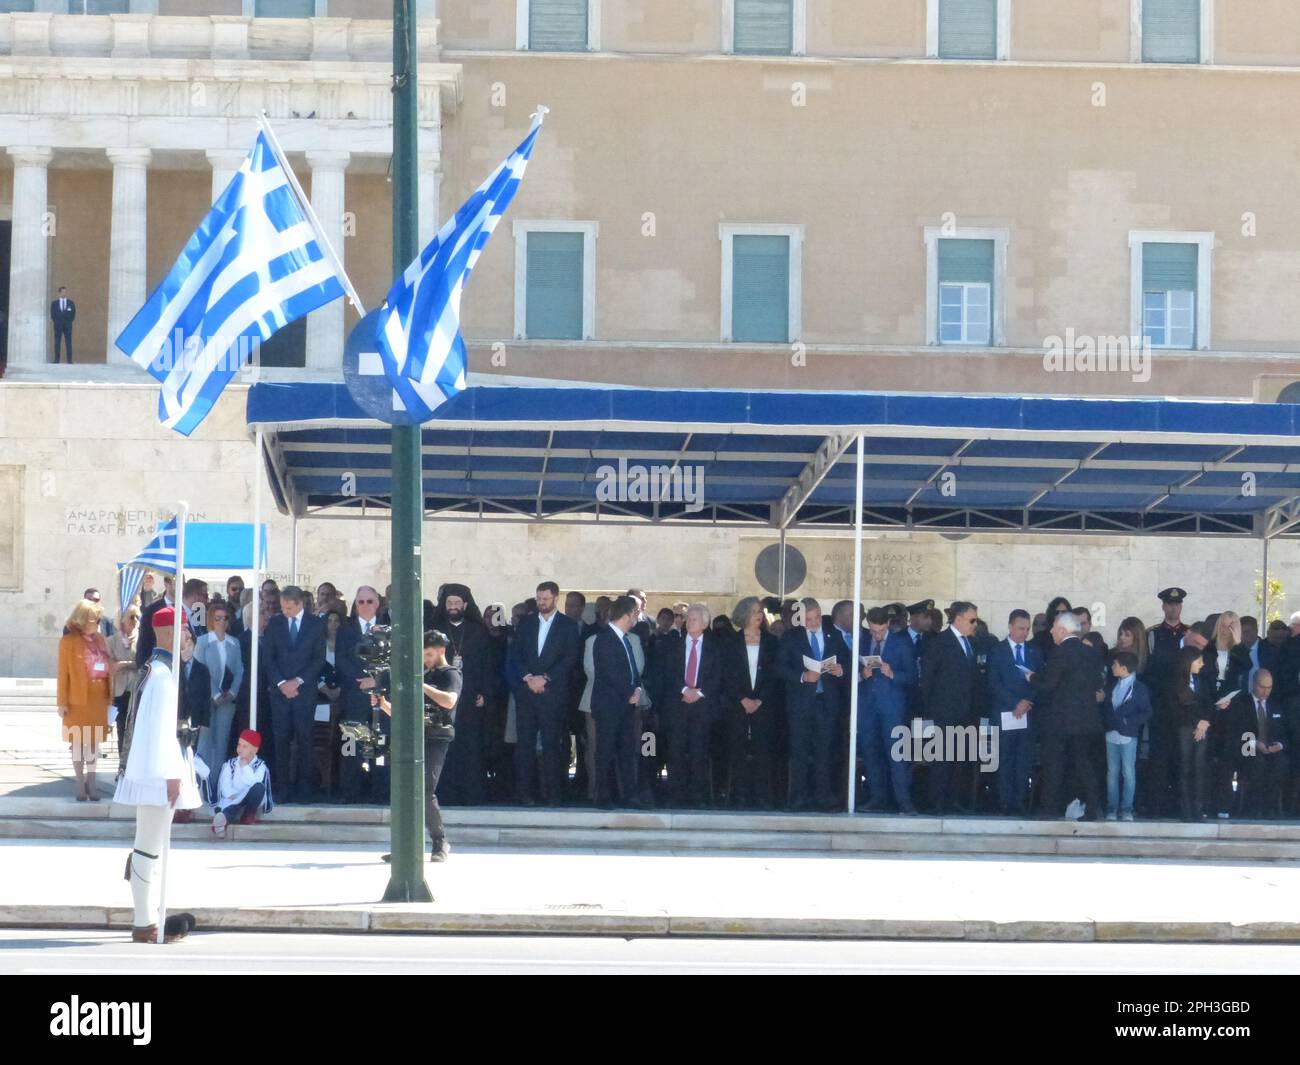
point(85, 678)
point(121, 649)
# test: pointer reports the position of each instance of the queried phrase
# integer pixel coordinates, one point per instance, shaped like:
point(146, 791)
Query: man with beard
point(469, 649)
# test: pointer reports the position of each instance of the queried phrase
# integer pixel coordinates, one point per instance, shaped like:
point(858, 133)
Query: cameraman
point(442, 684)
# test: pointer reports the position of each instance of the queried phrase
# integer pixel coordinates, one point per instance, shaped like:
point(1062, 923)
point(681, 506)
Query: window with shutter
point(763, 27)
point(968, 29)
point(965, 291)
point(1171, 31)
point(557, 25)
point(760, 289)
point(88, 7)
point(554, 280)
point(1169, 284)
point(10, 7)
point(284, 8)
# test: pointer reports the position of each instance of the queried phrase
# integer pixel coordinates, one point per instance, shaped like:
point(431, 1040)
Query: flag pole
point(178, 612)
point(312, 220)
point(253, 636)
point(406, 879)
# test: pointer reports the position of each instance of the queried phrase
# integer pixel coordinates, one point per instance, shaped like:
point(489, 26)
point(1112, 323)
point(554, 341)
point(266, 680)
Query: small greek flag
point(254, 265)
point(158, 554)
point(418, 327)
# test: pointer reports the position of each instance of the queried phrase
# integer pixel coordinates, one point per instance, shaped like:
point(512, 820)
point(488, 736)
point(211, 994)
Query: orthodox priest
point(156, 776)
point(469, 649)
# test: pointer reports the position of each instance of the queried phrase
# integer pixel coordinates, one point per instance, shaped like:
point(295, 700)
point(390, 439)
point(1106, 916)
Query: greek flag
point(418, 327)
point(254, 265)
point(158, 554)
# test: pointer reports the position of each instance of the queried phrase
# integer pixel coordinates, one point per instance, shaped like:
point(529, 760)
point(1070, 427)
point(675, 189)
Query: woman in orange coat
point(85, 688)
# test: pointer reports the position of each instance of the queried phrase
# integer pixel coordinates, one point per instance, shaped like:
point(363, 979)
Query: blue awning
point(943, 463)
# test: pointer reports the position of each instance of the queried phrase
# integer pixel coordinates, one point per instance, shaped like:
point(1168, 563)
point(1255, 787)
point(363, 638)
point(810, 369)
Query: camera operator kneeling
point(442, 682)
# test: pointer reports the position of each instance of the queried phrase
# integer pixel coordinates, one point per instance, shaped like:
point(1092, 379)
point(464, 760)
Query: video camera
point(375, 650)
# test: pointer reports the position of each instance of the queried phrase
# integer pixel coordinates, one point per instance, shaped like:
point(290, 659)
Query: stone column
point(126, 249)
point(325, 326)
point(29, 309)
point(430, 176)
point(225, 162)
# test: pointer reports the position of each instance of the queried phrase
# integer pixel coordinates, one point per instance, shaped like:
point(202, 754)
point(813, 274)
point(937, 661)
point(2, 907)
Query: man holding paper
point(1011, 664)
point(887, 672)
point(814, 679)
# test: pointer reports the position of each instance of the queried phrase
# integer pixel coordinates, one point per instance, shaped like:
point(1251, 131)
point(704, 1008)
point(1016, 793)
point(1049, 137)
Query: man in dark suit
point(615, 692)
point(1071, 723)
point(355, 687)
point(1259, 744)
point(295, 659)
point(1011, 698)
point(813, 704)
point(949, 673)
point(543, 654)
point(62, 313)
point(883, 698)
point(690, 698)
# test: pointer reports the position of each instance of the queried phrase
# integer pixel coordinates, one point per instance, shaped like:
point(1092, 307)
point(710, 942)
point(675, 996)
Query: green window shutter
point(554, 298)
point(968, 29)
point(966, 260)
point(763, 27)
point(760, 289)
point(1171, 31)
point(557, 25)
point(284, 8)
point(1169, 267)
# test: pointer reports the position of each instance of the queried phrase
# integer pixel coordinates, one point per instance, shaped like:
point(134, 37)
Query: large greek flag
point(253, 266)
point(420, 344)
point(158, 554)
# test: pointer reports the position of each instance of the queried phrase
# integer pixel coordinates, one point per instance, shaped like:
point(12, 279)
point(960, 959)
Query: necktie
point(293, 631)
point(875, 646)
point(1020, 654)
point(693, 664)
point(815, 640)
point(1263, 721)
point(965, 646)
point(631, 661)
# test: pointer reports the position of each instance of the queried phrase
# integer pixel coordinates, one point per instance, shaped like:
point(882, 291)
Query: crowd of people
point(561, 701)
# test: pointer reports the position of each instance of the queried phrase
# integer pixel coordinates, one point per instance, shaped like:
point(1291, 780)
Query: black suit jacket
point(708, 677)
point(1069, 683)
point(305, 658)
point(61, 318)
point(948, 679)
point(735, 672)
point(557, 661)
point(612, 682)
point(1242, 723)
point(799, 697)
point(196, 693)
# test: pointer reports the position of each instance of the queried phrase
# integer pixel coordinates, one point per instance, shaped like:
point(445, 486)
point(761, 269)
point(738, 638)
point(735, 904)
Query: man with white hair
point(1069, 723)
point(691, 698)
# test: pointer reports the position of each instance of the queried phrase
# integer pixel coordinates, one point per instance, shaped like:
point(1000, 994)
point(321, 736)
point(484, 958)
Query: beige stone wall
point(95, 469)
point(1094, 31)
point(80, 201)
point(1257, 32)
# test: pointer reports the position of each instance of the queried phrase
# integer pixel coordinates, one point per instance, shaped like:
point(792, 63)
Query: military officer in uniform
point(1164, 640)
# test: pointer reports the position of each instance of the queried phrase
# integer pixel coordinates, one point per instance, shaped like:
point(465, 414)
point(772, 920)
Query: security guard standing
point(1164, 640)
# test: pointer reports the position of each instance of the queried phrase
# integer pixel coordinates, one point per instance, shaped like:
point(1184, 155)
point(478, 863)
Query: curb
point(397, 919)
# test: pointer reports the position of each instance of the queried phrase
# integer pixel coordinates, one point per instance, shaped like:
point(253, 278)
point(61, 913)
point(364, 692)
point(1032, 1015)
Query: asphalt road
point(61, 951)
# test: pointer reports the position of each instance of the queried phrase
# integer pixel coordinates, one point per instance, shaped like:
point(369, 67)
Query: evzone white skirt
point(153, 792)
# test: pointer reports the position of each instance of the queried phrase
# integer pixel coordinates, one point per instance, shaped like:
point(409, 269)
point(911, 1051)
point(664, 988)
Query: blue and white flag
point(254, 265)
point(158, 554)
point(418, 329)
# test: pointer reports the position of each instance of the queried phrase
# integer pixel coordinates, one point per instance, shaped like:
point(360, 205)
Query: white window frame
point(966, 287)
point(1207, 33)
point(798, 39)
point(1001, 239)
point(523, 9)
point(1204, 277)
point(794, 313)
point(1168, 312)
point(589, 231)
point(1003, 49)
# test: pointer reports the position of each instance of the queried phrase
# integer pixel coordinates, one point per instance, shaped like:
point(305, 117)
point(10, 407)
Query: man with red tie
point(692, 693)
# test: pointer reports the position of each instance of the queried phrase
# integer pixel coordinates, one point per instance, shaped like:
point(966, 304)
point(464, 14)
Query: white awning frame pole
point(178, 671)
point(857, 636)
point(254, 639)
